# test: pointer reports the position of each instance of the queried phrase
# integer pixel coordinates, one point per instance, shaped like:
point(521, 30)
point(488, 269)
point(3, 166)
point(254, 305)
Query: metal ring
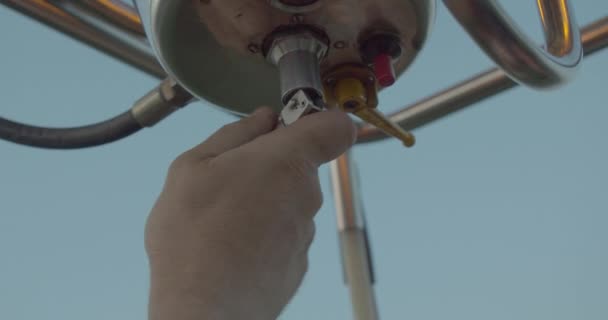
point(498, 35)
point(296, 9)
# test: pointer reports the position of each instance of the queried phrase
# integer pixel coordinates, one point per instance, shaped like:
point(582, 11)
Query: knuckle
point(293, 167)
point(234, 125)
point(181, 163)
point(303, 265)
point(317, 198)
point(230, 126)
point(309, 234)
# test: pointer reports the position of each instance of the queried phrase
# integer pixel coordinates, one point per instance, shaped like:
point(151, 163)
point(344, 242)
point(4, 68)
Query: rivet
point(253, 48)
point(339, 44)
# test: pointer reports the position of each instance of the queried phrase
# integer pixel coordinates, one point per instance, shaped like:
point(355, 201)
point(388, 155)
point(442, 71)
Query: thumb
point(238, 133)
point(315, 139)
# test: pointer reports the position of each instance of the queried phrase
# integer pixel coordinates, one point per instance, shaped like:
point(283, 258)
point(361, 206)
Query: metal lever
point(298, 106)
point(498, 35)
point(352, 88)
point(380, 121)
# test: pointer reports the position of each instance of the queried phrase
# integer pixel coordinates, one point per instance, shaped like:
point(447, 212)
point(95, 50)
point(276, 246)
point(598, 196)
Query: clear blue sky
point(499, 212)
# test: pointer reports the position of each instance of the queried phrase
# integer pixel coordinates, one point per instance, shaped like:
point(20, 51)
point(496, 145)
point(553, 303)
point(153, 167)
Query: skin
point(228, 237)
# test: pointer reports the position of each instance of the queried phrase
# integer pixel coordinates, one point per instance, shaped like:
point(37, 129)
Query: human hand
point(229, 234)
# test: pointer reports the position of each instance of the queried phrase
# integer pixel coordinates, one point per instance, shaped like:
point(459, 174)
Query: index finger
point(315, 139)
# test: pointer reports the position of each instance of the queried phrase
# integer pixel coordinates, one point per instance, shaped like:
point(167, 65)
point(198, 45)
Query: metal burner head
point(215, 49)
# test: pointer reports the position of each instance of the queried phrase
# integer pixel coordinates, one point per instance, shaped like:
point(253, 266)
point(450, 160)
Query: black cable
point(92, 135)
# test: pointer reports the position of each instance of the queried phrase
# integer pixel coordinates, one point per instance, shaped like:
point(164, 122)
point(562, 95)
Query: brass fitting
point(352, 88)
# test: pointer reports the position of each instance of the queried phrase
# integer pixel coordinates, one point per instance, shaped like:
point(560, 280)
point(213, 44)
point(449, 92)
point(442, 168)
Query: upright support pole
point(356, 258)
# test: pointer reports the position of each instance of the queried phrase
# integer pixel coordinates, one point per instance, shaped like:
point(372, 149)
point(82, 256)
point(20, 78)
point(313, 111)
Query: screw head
point(339, 44)
point(297, 18)
point(350, 105)
point(253, 48)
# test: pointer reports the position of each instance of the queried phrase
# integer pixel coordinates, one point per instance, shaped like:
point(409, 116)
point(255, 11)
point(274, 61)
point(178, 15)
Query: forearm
point(210, 294)
point(179, 304)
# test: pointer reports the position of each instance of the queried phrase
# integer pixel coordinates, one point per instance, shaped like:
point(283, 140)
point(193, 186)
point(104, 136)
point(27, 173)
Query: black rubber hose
point(92, 135)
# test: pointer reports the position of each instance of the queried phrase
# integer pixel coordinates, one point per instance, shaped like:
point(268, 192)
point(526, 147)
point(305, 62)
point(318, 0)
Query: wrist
point(170, 303)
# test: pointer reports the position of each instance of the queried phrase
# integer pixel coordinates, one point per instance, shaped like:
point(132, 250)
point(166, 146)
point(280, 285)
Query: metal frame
point(354, 246)
point(112, 27)
point(498, 35)
point(112, 34)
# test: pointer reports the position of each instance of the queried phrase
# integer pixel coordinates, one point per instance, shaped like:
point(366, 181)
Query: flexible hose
point(92, 135)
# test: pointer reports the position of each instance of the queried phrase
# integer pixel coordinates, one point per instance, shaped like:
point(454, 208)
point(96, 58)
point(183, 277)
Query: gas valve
point(297, 52)
point(352, 88)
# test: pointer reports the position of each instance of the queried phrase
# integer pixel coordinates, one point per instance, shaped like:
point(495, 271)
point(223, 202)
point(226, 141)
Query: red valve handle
point(383, 69)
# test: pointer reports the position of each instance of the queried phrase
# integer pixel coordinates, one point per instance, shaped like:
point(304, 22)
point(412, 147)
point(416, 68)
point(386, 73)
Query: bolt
point(350, 105)
point(340, 45)
point(297, 3)
point(297, 18)
point(253, 48)
point(330, 81)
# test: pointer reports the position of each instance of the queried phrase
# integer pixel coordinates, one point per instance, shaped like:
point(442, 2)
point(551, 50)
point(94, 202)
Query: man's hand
point(229, 234)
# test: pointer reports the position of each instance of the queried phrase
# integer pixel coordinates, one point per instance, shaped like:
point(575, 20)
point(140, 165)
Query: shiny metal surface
point(299, 70)
point(214, 47)
point(471, 91)
point(354, 245)
point(302, 41)
point(595, 36)
point(118, 24)
point(298, 106)
point(357, 273)
point(345, 189)
point(298, 57)
point(118, 12)
point(159, 103)
point(287, 6)
point(498, 35)
point(114, 44)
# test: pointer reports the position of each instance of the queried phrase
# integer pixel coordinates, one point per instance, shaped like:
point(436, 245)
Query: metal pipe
point(156, 105)
point(471, 91)
point(88, 26)
point(503, 41)
point(119, 13)
point(110, 24)
point(354, 245)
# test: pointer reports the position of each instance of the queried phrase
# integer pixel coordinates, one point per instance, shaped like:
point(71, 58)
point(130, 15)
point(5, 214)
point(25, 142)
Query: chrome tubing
point(502, 40)
point(110, 17)
point(418, 114)
point(119, 13)
point(354, 245)
point(156, 105)
point(112, 30)
point(471, 91)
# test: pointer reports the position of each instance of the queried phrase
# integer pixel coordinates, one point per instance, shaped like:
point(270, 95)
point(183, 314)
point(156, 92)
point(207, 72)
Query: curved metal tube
point(471, 91)
point(156, 105)
point(499, 36)
point(455, 98)
point(120, 13)
point(111, 17)
point(118, 41)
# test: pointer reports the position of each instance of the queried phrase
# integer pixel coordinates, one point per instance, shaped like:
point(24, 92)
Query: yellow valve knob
point(376, 118)
point(351, 96)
